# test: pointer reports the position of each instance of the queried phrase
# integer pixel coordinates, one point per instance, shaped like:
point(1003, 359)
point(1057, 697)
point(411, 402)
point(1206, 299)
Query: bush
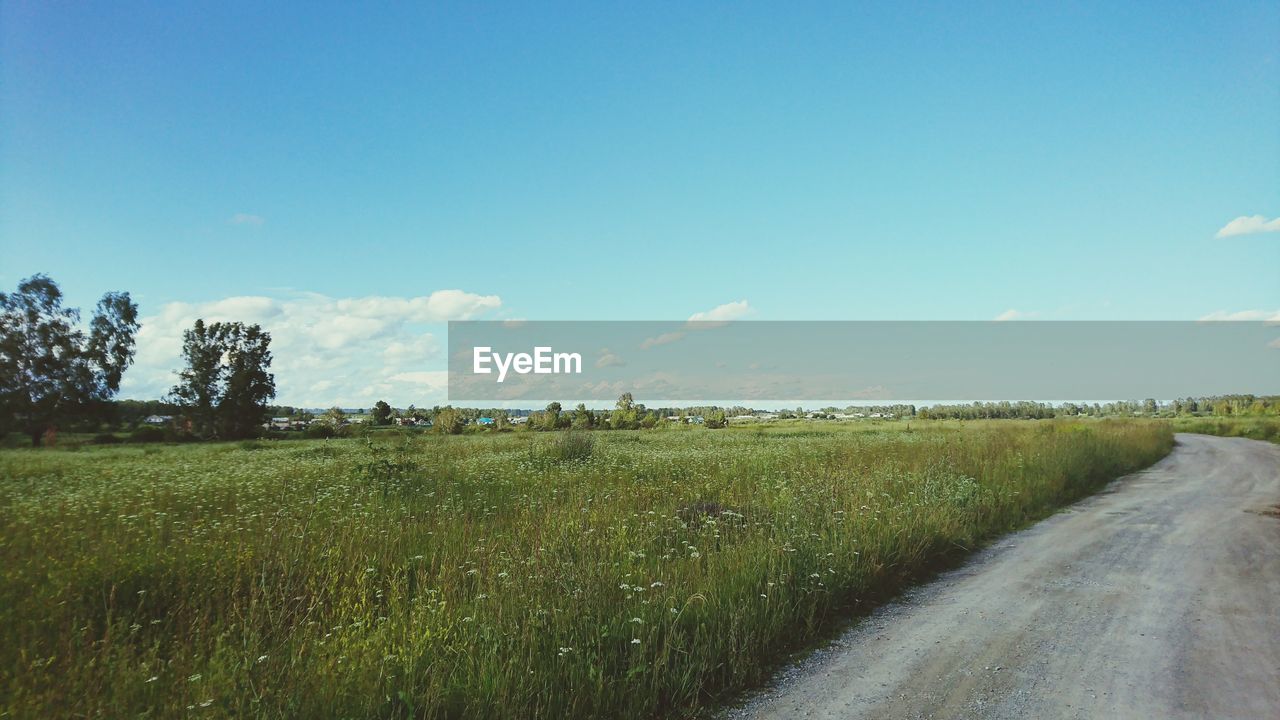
point(147, 434)
point(572, 445)
point(448, 422)
point(174, 435)
point(319, 431)
point(355, 430)
point(106, 439)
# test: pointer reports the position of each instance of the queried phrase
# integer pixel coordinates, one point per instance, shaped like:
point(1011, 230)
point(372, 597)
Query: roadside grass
point(1256, 427)
point(629, 574)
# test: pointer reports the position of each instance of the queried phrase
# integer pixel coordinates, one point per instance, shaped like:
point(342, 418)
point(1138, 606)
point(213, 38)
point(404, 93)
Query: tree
point(583, 419)
point(198, 388)
point(551, 418)
point(49, 369)
point(225, 386)
point(335, 416)
point(447, 421)
point(381, 413)
point(249, 385)
point(624, 416)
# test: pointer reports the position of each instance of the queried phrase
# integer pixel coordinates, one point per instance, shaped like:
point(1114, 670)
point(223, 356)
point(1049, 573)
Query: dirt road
point(1158, 598)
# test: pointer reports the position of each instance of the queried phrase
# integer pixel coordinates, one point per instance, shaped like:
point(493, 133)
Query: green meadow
point(554, 575)
point(1258, 427)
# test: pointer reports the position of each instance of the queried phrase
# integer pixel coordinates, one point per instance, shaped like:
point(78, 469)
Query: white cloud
point(608, 358)
point(1272, 316)
point(663, 339)
point(1012, 314)
point(326, 351)
point(722, 313)
point(246, 219)
point(399, 351)
point(1248, 225)
point(716, 317)
point(432, 379)
point(439, 306)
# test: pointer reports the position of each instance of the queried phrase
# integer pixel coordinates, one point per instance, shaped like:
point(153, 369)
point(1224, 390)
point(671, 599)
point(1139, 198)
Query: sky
point(352, 177)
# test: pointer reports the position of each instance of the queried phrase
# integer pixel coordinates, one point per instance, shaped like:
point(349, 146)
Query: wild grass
point(513, 575)
point(1256, 427)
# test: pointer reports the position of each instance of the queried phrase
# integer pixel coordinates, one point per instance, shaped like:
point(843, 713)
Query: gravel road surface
point(1157, 598)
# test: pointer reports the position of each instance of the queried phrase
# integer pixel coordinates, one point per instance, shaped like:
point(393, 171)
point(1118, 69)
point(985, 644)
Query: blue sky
point(325, 169)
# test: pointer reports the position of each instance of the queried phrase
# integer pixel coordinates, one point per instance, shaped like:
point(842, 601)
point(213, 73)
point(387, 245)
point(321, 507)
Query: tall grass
point(1249, 426)
point(470, 577)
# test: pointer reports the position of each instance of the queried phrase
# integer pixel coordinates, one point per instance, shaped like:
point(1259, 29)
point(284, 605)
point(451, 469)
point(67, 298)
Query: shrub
point(572, 445)
point(147, 434)
point(319, 431)
point(449, 422)
point(106, 439)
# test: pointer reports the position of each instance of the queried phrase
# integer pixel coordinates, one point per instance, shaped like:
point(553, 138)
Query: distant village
point(156, 420)
point(515, 418)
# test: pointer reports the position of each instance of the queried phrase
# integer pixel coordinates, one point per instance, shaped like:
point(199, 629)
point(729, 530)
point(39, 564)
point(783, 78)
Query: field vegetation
point(625, 574)
point(1258, 427)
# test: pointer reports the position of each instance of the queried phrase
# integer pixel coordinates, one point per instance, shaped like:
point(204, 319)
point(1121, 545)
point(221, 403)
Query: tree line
point(627, 414)
point(55, 374)
point(1218, 405)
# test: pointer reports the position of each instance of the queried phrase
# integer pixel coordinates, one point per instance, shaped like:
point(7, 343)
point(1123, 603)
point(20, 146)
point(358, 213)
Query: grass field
point(623, 574)
point(1255, 427)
